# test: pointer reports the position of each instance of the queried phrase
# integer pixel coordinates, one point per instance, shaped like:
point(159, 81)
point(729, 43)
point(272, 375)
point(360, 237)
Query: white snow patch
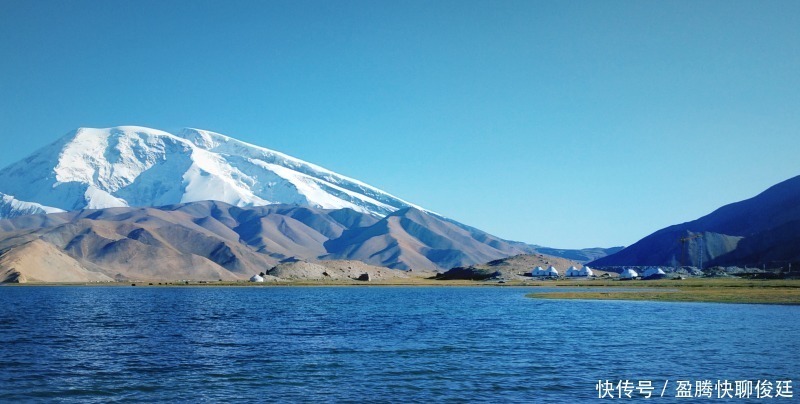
point(211, 178)
point(99, 199)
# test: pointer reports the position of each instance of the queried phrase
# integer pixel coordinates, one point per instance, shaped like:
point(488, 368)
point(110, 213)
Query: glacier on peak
point(11, 207)
point(91, 168)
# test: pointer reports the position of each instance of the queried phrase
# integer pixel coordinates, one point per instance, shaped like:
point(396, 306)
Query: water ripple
point(114, 344)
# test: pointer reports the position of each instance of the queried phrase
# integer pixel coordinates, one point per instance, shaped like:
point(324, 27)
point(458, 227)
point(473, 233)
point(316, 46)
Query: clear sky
point(561, 123)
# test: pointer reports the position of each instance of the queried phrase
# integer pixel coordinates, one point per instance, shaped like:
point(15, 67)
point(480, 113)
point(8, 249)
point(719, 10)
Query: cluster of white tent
point(629, 273)
point(653, 271)
point(571, 272)
point(538, 271)
point(583, 272)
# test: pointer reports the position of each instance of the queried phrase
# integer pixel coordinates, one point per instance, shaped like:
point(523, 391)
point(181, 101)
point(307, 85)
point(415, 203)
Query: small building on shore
point(576, 273)
point(538, 271)
point(549, 272)
point(256, 278)
point(628, 274)
point(654, 273)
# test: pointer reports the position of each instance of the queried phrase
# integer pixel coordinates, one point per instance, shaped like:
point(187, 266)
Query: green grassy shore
point(710, 290)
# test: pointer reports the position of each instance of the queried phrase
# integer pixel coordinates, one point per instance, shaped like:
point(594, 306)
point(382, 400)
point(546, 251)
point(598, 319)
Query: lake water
point(398, 344)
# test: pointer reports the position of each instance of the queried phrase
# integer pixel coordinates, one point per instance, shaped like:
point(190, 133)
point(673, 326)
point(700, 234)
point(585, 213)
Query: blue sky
point(561, 123)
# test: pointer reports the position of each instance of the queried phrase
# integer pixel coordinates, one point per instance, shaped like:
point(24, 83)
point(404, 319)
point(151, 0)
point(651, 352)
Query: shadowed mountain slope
point(762, 230)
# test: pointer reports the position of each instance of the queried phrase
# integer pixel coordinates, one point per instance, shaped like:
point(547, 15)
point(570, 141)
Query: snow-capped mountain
point(136, 166)
point(11, 207)
point(147, 204)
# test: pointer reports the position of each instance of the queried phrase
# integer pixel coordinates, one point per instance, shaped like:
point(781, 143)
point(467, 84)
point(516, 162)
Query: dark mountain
point(763, 230)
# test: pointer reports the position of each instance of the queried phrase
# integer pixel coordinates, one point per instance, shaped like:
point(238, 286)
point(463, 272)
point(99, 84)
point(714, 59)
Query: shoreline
point(653, 288)
point(700, 290)
point(706, 290)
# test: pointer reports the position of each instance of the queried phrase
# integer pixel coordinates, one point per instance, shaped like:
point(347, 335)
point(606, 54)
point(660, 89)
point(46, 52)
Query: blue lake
point(421, 344)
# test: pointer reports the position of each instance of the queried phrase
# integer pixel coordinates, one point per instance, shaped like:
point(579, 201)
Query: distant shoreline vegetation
point(701, 290)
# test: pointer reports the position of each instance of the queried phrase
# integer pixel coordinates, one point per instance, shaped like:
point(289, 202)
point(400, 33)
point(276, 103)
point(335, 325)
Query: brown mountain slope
point(146, 243)
point(413, 239)
point(39, 261)
point(213, 240)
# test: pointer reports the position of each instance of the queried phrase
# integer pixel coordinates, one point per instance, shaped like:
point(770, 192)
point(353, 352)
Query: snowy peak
point(111, 163)
point(203, 139)
point(137, 166)
point(310, 178)
point(11, 207)
point(114, 158)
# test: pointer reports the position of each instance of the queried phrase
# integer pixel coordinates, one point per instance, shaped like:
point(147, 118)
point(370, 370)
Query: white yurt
point(586, 271)
point(538, 271)
point(256, 278)
point(552, 271)
point(628, 274)
point(572, 271)
point(653, 271)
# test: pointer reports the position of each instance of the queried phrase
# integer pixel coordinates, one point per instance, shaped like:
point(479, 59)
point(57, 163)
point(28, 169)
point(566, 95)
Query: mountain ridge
point(211, 240)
